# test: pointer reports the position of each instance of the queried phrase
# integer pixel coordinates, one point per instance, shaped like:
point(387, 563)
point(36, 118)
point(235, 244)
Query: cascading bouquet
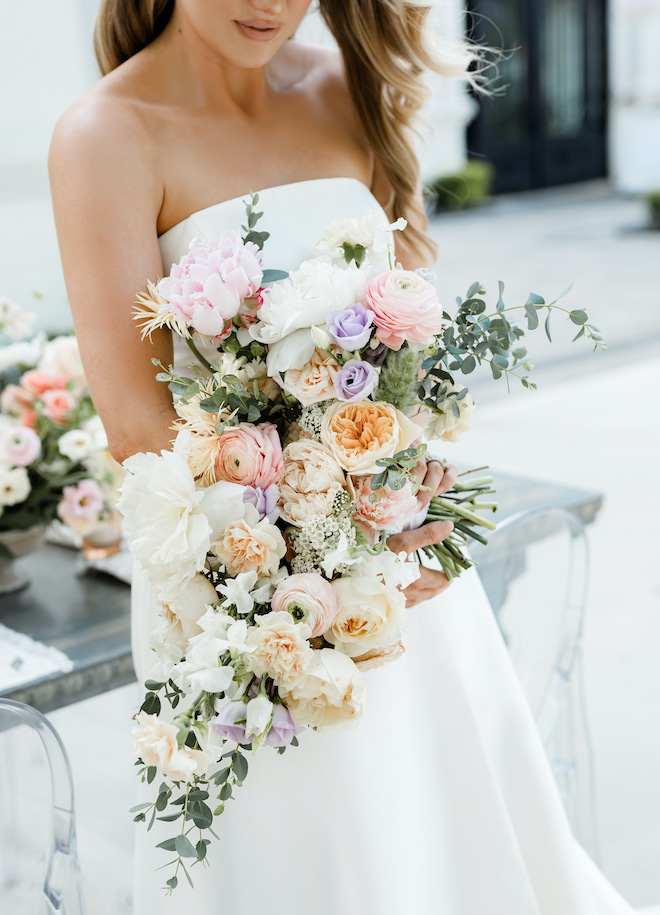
point(263, 532)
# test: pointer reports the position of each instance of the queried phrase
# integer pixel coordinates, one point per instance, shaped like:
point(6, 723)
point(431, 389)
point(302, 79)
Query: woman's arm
point(107, 196)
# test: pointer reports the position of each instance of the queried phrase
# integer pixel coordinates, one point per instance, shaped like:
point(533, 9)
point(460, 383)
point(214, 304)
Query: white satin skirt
point(441, 801)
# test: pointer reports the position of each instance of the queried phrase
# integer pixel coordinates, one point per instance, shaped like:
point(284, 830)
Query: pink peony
point(405, 307)
point(38, 382)
point(58, 404)
point(20, 446)
point(250, 455)
point(207, 287)
point(309, 598)
point(83, 502)
point(390, 512)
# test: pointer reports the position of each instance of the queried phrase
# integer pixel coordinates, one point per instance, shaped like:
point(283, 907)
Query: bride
point(442, 800)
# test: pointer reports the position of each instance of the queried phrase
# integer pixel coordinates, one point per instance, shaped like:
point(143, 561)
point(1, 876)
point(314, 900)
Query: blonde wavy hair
point(386, 46)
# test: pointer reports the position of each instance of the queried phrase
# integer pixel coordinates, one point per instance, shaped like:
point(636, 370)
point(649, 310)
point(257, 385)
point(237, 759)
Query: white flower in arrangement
point(155, 743)
point(237, 591)
point(373, 233)
point(202, 668)
point(15, 322)
point(393, 570)
point(191, 603)
point(292, 306)
point(25, 353)
point(95, 429)
point(281, 649)
point(76, 445)
point(61, 356)
point(14, 485)
point(330, 692)
point(371, 615)
point(259, 714)
point(446, 425)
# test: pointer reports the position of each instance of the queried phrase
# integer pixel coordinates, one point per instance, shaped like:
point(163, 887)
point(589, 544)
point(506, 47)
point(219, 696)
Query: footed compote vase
point(20, 543)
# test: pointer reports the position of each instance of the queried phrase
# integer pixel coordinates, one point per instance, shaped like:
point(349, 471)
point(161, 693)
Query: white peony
point(14, 485)
point(446, 425)
point(372, 232)
point(330, 692)
point(371, 615)
point(292, 306)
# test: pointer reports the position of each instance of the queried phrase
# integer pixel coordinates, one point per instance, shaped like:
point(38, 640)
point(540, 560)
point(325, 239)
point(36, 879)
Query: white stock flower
point(202, 669)
point(371, 615)
point(446, 425)
point(258, 716)
point(14, 485)
point(329, 693)
point(76, 445)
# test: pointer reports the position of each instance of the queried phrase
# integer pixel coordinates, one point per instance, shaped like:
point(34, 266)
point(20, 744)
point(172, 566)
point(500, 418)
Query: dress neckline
point(265, 190)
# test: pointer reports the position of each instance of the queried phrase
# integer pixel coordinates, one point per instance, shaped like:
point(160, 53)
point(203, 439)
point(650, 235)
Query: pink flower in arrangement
point(28, 418)
point(250, 455)
point(208, 285)
point(405, 307)
point(39, 382)
point(15, 399)
point(309, 598)
point(58, 404)
point(20, 446)
point(83, 502)
point(390, 512)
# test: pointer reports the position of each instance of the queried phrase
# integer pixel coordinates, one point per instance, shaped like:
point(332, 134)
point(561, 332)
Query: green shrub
point(653, 204)
point(465, 188)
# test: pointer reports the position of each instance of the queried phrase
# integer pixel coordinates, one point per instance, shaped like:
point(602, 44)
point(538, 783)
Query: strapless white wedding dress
point(441, 802)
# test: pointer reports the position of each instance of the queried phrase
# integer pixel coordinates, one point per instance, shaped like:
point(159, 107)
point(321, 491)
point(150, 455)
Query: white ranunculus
point(447, 426)
point(371, 615)
point(61, 356)
point(14, 485)
point(329, 693)
point(167, 530)
point(76, 445)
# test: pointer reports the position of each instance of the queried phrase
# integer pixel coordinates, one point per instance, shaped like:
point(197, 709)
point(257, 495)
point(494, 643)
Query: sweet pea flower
point(20, 446)
point(350, 328)
point(283, 728)
point(355, 380)
point(230, 722)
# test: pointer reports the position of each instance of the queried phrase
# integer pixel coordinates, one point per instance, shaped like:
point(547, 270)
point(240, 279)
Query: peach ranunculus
point(360, 433)
point(249, 455)
point(405, 308)
point(371, 615)
point(280, 647)
point(329, 694)
point(155, 743)
point(311, 480)
point(370, 660)
point(314, 382)
point(390, 512)
point(250, 545)
point(37, 382)
point(309, 598)
point(58, 404)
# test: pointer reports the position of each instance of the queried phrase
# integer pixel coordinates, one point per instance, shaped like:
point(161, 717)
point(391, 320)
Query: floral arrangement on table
point(263, 532)
point(53, 449)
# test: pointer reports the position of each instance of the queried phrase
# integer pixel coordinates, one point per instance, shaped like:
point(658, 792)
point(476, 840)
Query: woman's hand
point(437, 477)
point(430, 583)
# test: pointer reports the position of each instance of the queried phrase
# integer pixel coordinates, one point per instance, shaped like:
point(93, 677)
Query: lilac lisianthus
point(264, 500)
point(230, 723)
point(283, 729)
point(350, 328)
point(355, 380)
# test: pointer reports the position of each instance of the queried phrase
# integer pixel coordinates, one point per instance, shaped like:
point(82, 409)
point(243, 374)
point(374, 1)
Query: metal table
point(87, 616)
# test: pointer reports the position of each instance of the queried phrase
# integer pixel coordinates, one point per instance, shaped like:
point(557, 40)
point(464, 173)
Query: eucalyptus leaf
point(578, 316)
point(272, 276)
point(184, 847)
point(240, 767)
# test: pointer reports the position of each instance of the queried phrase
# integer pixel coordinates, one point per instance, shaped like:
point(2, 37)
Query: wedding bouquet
point(53, 449)
point(264, 531)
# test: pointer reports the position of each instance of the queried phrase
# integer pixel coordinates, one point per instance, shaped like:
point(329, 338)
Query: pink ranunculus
point(208, 285)
point(390, 512)
point(20, 446)
point(405, 307)
point(250, 455)
point(83, 502)
point(58, 404)
point(309, 598)
point(15, 399)
point(37, 382)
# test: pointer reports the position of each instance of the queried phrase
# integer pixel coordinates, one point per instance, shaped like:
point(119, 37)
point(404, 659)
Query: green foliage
point(252, 218)
point(465, 188)
point(355, 253)
point(398, 383)
point(653, 205)
point(397, 470)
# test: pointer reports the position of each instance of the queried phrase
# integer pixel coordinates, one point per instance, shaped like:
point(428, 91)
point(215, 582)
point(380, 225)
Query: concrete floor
point(593, 423)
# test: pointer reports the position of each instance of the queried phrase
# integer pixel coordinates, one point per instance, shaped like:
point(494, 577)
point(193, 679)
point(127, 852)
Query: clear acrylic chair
point(39, 871)
point(535, 572)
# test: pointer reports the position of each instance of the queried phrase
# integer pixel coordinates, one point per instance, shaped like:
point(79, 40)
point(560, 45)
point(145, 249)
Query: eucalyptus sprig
point(397, 471)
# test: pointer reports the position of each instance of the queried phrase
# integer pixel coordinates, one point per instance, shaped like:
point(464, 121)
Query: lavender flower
point(227, 725)
point(264, 500)
point(283, 729)
point(350, 328)
point(355, 380)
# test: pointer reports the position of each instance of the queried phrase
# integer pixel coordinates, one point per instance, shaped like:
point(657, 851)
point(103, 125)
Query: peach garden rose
point(315, 381)
point(359, 434)
point(250, 545)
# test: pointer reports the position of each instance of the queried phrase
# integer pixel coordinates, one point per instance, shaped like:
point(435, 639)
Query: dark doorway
point(549, 126)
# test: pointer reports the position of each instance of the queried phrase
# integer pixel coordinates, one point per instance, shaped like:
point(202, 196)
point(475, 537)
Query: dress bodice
point(295, 215)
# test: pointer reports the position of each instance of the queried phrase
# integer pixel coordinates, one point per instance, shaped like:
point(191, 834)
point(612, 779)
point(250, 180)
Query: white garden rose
point(371, 615)
point(329, 694)
point(14, 485)
point(191, 603)
point(446, 425)
point(311, 480)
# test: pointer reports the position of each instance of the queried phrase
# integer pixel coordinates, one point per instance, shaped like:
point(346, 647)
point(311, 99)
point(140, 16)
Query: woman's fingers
point(433, 476)
point(426, 535)
point(448, 479)
point(429, 584)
